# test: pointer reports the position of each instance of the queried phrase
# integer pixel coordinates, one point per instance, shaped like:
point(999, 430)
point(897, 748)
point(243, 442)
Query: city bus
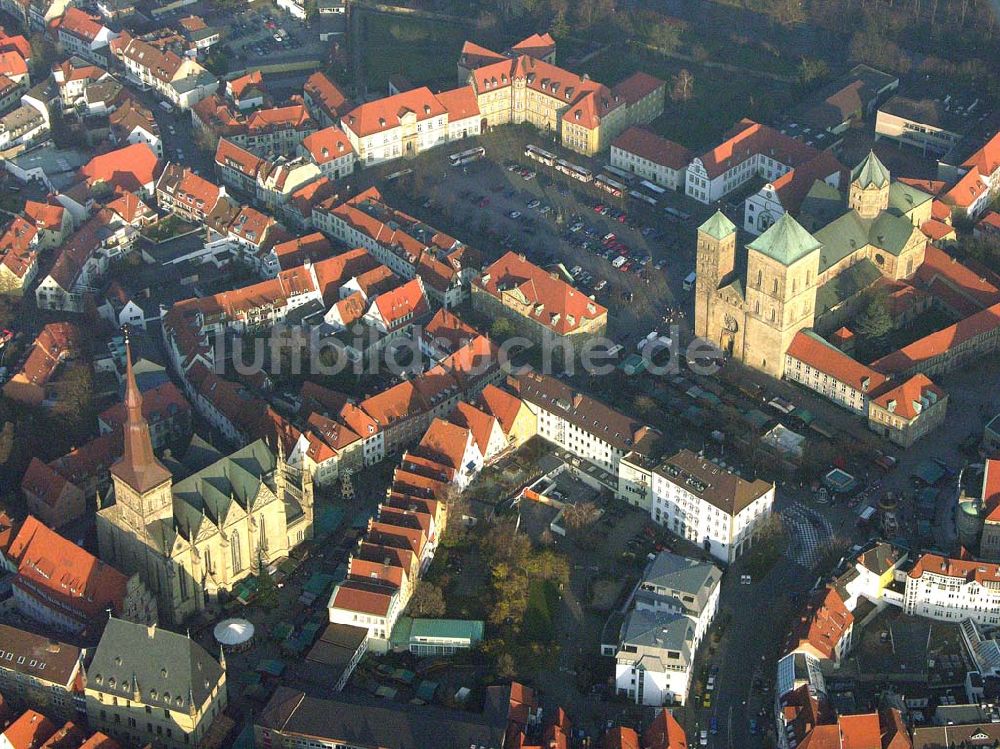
point(653, 188)
point(574, 171)
point(607, 184)
point(467, 157)
point(540, 155)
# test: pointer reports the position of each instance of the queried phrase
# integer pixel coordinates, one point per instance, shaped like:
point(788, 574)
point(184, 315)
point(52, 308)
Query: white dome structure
point(234, 634)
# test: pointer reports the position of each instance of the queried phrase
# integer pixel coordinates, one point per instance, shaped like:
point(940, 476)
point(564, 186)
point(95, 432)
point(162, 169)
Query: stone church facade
point(752, 311)
point(192, 540)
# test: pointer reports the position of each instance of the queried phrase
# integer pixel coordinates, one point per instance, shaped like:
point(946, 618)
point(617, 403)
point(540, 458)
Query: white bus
point(655, 189)
point(536, 153)
point(609, 185)
point(467, 157)
point(574, 171)
point(621, 174)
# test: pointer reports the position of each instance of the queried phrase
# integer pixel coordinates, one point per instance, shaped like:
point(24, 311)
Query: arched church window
point(774, 286)
point(237, 554)
point(760, 278)
point(772, 314)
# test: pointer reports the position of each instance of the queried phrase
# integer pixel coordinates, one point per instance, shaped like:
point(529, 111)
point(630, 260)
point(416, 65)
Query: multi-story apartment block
point(930, 125)
point(279, 131)
point(325, 101)
point(679, 584)
point(953, 590)
point(576, 422)
point(824, 629)
point(655, 657)
point(401, 125)
point(181, 191)
point(645, 154)
point(40, 672)
point(699, 500)
point(147, 685)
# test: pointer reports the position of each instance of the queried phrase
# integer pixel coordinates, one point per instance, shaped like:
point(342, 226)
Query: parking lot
point(631, 256)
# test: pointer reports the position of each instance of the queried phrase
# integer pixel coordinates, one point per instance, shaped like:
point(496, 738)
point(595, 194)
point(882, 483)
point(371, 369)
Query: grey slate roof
point(684, 575)
point(651, 630)
point(168, 668)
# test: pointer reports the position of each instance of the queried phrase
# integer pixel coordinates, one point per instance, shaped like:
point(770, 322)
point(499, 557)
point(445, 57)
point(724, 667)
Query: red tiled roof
point(44, 215)
point(829, 360)
point(78, 23)
point(385, 114)
point(621, 737)
point(823, 623)
point(159, 404)
point(937, 230)
point(860, 731)
point(963, 569)
point(29, 731)
point(131, 168)
point(294, 116)
point(475, 55)
point(908, 396)
point(503, 405)
point(975, 291)
point(365, 598)
point(665, 733)
point(444, 443)
point(939, 342)
point(325, 93)
point(749, 138)
point(648, 145)
point(929, 186)
point(17, 247)
point(44, 482)
point(65, 573)
point(460, 103)
point(327, 144)
point(17, 43)
point(553, 303)
point(991, 221)
point(991, 489)
point(238, 86)
point(334, 272)
point(637, 86)
point(967, 190)
point(479, 423)
point(447, 332)
point(402, 305)
point(536, 43)
point(987, 158)
point(230, 155)
point(55, 343)
point(793, 186)
point(12, 64)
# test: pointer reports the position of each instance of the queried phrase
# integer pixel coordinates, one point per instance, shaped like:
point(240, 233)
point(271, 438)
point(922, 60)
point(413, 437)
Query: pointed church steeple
point(138, 466)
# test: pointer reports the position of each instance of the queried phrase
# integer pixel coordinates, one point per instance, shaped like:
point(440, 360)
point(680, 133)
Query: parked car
point(514, 214)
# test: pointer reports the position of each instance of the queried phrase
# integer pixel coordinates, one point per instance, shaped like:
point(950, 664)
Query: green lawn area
point(543, 598)
point(423, 51)
point(720, 97)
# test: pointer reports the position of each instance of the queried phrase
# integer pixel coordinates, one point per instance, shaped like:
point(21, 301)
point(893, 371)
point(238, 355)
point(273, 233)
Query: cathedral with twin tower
point(195, 539)
point(752, 305)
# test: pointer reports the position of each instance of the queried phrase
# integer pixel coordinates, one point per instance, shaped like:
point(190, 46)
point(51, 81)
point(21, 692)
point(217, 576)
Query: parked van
point(689, 281)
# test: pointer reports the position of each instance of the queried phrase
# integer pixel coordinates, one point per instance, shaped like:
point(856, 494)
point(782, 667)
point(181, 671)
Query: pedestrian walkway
point(808, 532)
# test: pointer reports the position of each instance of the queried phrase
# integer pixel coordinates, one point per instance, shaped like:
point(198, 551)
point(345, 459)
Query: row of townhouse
point(40, 227)
point(180, 80)
point(337, 434)
point(408, 246)
point(270, 182)
point(408, 525)
point(673, 607)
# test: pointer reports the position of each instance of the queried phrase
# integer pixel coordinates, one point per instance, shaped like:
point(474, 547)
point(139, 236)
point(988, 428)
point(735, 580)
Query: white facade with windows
point(707, 505)
point(953, 590)
point(704, 189)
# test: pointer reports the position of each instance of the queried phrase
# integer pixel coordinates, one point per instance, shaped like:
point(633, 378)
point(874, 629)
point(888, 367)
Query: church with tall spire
point(193, 540)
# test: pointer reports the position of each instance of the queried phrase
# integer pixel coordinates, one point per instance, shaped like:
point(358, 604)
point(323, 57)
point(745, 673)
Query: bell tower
point(869, 192)
point(142, 484)
point(716, 261)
